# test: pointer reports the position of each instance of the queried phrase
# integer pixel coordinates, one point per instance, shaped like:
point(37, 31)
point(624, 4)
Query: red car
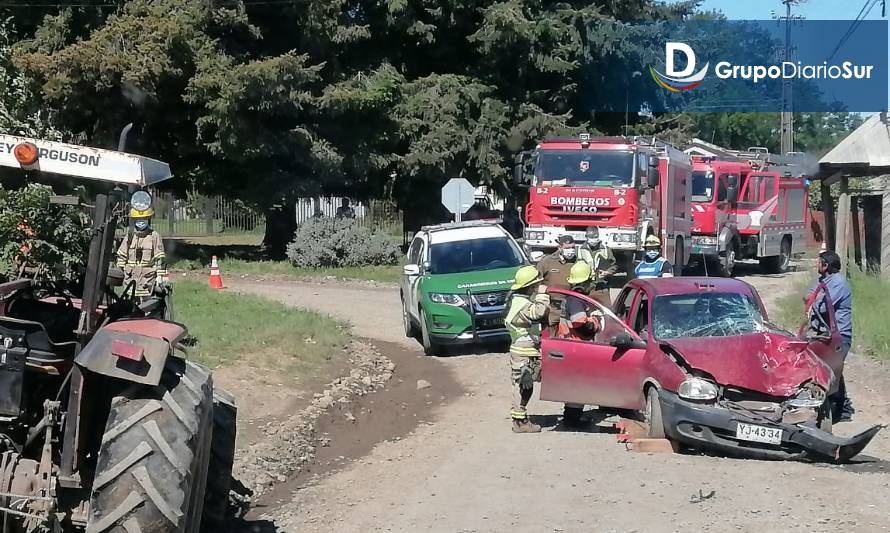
point(699, 358)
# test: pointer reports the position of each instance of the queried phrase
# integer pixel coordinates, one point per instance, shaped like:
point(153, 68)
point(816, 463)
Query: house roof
point(866, 151)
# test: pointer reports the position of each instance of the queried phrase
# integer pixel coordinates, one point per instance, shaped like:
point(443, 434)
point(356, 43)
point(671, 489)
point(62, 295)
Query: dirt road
point(468, 472)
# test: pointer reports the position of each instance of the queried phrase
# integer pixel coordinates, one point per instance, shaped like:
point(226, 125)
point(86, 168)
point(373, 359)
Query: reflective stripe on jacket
point(524, 323)
point(655, 269)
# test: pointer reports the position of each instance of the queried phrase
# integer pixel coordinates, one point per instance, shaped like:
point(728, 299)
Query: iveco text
point(756, 73)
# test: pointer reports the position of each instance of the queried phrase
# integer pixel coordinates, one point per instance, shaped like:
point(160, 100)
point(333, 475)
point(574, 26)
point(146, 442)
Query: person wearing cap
point(555, 269)
point(653, 265)
point(141, 255)
point(602, 264)
point(529, 306)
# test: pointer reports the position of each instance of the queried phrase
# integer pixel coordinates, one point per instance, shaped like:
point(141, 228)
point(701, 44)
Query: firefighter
point(602, 264)
point(555, 269)
point(580, 320)
point(141, 255)
point(653, 265)
point(529, 306)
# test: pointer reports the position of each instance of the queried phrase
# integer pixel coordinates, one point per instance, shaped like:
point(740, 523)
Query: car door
point(409, 282)
point(592, 372)
point(822, 334)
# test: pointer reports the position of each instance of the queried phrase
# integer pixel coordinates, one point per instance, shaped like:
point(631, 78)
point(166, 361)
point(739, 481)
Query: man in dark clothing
point(829, 267)
point(555, 269)
point(345, 211)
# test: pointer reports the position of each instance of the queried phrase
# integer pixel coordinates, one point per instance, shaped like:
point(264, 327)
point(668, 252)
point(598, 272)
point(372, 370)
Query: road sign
point(458, 196)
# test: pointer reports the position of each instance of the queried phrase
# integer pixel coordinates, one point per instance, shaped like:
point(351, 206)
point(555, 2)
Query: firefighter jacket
point(141, 256)
point(524, 323)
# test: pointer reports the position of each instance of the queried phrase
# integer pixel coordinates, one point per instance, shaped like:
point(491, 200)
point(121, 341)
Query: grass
point(382, 274)
point(232, 327)
point(871, 307)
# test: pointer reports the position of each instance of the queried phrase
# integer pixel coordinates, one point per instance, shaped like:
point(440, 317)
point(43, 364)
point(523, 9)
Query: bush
point(35, 233)
point(340, 242)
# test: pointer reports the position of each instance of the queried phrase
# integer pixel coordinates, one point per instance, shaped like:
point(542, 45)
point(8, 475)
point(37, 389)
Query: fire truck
point(621, 189)
point(747, 205)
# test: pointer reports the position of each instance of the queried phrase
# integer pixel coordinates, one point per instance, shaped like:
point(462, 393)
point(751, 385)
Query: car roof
point(466, 234)
point(691, 285)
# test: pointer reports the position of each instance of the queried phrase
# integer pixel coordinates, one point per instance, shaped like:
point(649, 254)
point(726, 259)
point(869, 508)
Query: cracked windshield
point(585, 168)
point(475, 255)
point(706, 315)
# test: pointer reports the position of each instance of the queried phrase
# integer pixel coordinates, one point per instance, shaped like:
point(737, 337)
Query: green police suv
point(454, 287)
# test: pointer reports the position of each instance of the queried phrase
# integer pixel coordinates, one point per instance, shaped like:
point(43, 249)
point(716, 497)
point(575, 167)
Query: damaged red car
point(700, 361)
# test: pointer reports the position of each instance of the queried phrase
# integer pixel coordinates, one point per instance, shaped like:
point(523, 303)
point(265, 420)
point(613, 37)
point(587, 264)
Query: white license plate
point(753, 433)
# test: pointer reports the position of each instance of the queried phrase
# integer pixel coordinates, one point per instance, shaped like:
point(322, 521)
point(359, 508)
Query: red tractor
point(105, 426)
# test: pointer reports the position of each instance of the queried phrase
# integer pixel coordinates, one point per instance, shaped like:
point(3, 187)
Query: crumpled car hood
point(770, 363)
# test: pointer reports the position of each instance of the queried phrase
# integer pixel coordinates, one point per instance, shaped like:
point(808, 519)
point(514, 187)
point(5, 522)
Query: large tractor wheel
point(152, 465)
point(222, 456)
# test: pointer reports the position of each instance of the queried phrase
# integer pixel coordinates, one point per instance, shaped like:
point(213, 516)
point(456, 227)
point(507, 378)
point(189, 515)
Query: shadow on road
point(590, 422)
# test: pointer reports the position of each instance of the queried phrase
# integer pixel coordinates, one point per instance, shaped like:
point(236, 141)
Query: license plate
point(489, 323)
point(753, 433)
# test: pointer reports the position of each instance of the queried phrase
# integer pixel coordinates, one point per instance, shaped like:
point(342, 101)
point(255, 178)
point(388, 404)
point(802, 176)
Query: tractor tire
point(152, 464)
point(222, 457)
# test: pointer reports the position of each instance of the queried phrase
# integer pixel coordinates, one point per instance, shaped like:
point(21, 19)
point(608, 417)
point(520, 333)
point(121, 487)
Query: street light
point(633, 75)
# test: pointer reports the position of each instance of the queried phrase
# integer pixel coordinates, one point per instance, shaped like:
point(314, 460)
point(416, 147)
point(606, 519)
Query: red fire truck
point(621, 188)
point(749, 206)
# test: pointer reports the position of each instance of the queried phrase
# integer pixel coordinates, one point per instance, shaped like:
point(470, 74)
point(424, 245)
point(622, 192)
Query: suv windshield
point(712, 314)
point(702, 185)
point(474, 255)
point(605, 168)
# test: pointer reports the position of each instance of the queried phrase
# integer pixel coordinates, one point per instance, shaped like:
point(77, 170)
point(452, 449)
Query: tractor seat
point(44, 329)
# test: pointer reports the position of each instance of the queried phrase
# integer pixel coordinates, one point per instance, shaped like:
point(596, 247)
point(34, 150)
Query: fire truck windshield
point(580, 168)
point(702, 186)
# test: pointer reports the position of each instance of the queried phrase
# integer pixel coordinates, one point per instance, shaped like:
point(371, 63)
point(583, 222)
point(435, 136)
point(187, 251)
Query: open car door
point(819, 329)
point(603, 370)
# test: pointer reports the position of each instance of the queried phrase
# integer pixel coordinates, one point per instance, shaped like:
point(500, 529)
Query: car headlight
point(810, 396)
point(448, 299)
point(697, 389)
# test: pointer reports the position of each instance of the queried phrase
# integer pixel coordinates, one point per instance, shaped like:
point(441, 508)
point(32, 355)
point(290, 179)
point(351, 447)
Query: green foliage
point(35, 233)
point(340, 242)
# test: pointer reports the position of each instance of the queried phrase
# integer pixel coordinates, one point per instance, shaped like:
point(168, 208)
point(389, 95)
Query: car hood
point(477, 281)
point(770, 363)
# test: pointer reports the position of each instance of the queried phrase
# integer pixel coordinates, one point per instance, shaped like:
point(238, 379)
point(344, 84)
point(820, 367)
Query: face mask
point(652, 255)
point(567, 253)
point(141, 225)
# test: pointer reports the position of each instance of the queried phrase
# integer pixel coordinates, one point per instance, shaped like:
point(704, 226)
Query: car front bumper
point(714, 427)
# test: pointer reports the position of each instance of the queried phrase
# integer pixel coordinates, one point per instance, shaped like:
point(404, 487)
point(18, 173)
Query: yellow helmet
point(652, 242)
point(525, 276)
point(145, 213)
point(580, 273)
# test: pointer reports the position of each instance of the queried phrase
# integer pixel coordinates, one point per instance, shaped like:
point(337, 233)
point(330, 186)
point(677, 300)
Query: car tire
point(429, 347)
point(727, 260)
point(778, 264)
point(410, 328)
point(571, 416)
point(654, 420)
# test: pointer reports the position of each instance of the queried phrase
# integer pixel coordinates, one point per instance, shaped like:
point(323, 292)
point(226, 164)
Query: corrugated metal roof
point(868, 147)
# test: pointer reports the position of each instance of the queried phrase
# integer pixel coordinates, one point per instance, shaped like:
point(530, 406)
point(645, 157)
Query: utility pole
point(787, 121)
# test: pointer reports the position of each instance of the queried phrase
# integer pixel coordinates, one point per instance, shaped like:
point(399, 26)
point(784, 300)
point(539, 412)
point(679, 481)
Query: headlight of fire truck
point(140, 201)
point(534, 235)
point(697, 389)
point(624, 237)
point(447, 299)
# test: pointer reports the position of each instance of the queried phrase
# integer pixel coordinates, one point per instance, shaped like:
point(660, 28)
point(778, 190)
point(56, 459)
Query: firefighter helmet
point(525, 276)
point(580, 273)
point(652, 242)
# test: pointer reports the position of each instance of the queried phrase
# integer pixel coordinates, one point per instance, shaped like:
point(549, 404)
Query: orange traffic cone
point(216, 281)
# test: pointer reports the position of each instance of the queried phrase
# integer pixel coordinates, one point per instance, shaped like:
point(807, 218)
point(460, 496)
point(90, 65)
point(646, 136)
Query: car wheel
point(410, 328)
point(429, 347)
point(654, 421)
point(571, 415)
point(727, 261)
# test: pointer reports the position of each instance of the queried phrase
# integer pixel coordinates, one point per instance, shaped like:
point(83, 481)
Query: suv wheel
point(410, 328)
point(429, 347)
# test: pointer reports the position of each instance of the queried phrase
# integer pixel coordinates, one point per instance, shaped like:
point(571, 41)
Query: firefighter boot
point(524, 426)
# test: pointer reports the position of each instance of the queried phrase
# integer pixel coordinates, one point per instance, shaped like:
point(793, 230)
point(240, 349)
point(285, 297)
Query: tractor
point(105, 425)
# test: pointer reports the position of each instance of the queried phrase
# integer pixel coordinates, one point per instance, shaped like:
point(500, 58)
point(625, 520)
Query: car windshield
point(474, 255)
point(604, 168)
point(711, 314)
point(702, 185)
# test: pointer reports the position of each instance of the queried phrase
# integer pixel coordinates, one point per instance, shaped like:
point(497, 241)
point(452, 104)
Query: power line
point(119, 5)
point(866, 9)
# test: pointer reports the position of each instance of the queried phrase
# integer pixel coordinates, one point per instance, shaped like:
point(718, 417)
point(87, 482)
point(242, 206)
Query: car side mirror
point(411, 270)
point(520, 177)
point(623, 341)
point(652, 178)
point(732, 194)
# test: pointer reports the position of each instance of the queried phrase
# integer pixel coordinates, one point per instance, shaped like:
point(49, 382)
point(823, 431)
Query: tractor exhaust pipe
point(122, 141)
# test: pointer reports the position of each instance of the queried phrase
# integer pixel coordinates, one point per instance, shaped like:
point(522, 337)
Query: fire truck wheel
point(152, 465)
point(727, 261)
point(679, 261)
point(778, 264)
point(222, 457)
